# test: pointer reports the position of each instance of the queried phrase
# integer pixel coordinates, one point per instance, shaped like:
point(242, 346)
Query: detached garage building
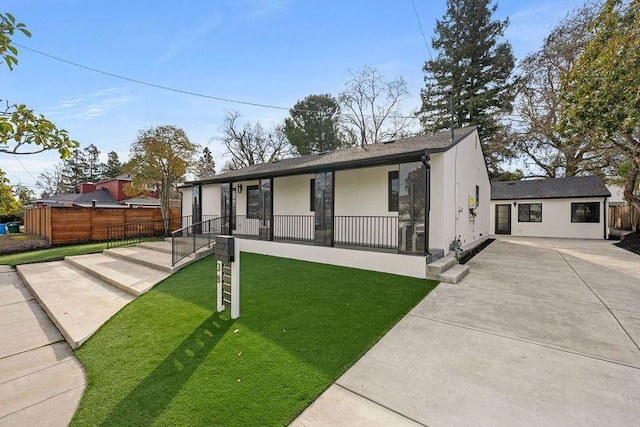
point(574, 207)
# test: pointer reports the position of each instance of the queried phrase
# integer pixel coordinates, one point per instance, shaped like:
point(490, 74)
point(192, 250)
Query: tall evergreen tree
point(205, 166)
point(113, 167)
point(474, 66)
point(314, 124)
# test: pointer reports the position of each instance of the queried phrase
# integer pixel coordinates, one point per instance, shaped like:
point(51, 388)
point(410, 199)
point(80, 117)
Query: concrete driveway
point(542, 332)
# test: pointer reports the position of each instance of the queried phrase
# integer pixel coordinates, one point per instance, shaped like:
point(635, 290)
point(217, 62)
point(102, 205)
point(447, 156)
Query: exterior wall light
point(239, 188)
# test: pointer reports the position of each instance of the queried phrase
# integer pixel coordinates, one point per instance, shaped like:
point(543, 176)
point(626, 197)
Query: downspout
point(606, 216)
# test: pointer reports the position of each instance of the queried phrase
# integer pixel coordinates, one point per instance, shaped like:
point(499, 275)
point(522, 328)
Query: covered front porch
point(382, 208)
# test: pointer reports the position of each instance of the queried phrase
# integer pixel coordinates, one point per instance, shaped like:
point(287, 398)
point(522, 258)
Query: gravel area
point(631, 243)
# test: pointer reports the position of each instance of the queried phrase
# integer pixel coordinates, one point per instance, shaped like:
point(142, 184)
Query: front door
point(503, 219)
point(324, 209)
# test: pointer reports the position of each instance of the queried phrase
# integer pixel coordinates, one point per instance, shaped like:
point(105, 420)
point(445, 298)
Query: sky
point(272, 52)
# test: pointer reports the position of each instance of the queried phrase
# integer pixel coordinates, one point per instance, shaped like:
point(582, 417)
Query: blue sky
point(266, 51)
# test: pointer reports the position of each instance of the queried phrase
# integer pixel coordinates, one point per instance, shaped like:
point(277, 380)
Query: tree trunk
point(164, 206)
point(630, 186)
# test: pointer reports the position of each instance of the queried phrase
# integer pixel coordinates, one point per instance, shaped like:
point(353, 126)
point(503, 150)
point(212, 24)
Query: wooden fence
point(621, 217)
point(63, 225)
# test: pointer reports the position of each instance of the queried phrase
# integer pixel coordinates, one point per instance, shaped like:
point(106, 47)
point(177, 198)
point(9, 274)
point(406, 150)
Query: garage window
point(585, 212)
point(530, 212)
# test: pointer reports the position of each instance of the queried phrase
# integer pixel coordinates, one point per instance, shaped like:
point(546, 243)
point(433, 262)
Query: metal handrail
point(187, 240)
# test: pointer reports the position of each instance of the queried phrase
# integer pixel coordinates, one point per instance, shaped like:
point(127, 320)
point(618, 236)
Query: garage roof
point(551, 188)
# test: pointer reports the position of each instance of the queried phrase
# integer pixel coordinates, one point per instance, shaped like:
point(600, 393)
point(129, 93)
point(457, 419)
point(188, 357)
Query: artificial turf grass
point(168, 359)
point(51, 254)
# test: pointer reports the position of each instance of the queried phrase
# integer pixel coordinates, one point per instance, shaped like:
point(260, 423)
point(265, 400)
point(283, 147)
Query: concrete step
point(131, 277)
point(143, 256)
point(441, 265)
point(77, 302)
point(163, 246)
point(454, 274)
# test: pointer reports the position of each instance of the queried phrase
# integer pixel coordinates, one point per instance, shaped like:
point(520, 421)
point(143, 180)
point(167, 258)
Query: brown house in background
point(85, 216)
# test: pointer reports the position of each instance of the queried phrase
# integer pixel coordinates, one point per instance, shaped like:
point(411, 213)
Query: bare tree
point(250, 144)
point(371, 107)
point(50, 181)
point(534, 131)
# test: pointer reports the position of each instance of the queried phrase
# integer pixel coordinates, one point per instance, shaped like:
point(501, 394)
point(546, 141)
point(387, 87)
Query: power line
point(23, 167)
point(182, 91)
point(415, 10)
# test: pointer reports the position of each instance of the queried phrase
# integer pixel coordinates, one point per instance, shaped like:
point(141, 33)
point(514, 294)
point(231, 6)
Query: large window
point(585, 212)
point(394, 187)
point(530, 212)
point(253, 202)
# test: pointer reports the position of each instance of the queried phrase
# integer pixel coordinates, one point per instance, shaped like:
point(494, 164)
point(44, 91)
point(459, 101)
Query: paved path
point(541, 332)
point(41, 382)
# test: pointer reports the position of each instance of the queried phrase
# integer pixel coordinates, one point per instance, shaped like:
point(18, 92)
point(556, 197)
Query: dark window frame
point(595, 213)
point(250, 189)
point(312, 195)
point(521, 206)
point(393, 202)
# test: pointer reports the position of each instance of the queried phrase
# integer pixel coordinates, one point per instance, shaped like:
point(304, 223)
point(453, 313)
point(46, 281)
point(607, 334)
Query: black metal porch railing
point(295, 228)
point(247, 226)
point(380, 232)
point(189, 239)
point(144, 231)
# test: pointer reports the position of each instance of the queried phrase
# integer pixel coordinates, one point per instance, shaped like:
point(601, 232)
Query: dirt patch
point(20, 242)
point(631, 243)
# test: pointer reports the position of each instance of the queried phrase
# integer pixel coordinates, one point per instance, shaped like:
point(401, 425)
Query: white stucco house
point(404, 202)
point(572, 207)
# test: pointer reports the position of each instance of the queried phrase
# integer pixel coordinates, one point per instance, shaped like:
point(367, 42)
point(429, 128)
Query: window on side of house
point(394, 189)
point(585, 212)
point(312, 194)
point(530, 212)
point(253, 202)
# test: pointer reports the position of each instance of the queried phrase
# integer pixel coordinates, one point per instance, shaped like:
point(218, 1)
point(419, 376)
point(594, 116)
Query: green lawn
point(168, 359)
point(51, 254)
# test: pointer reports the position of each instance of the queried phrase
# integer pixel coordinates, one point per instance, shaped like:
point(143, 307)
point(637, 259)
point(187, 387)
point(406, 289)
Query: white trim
point(403, 265)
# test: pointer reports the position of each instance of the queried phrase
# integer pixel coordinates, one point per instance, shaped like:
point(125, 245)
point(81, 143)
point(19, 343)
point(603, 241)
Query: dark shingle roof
point(578, 186)
point(356, 156)
point(101, 196)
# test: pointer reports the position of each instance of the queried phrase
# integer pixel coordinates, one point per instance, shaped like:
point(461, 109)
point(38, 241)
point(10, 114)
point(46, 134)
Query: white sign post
point(228, 275)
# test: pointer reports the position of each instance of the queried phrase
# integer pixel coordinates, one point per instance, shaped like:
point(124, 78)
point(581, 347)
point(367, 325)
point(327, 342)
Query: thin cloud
point(528, 27)
point(89, 106)
point(188, 37)
point(256, 9)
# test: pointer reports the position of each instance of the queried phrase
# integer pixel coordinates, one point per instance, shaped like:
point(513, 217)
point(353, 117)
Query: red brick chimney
point(87, 188)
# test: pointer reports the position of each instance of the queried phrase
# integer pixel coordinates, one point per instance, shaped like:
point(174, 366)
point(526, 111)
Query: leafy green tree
point(159, 158)
point(600, 95)
point(205, 167)
point(9, 206)
point(21, 130)
point(474, 66)
point(534, 132)
point(314, 125)
point(24, 194)
point(113, 167)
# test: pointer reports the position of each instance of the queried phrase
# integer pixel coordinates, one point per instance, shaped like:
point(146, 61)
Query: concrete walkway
point(41, 382)
point(541, 332)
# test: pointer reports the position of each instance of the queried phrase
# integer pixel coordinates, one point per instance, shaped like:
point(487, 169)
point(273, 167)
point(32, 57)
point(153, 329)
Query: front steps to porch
point(82, 292)
point(447, 269)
